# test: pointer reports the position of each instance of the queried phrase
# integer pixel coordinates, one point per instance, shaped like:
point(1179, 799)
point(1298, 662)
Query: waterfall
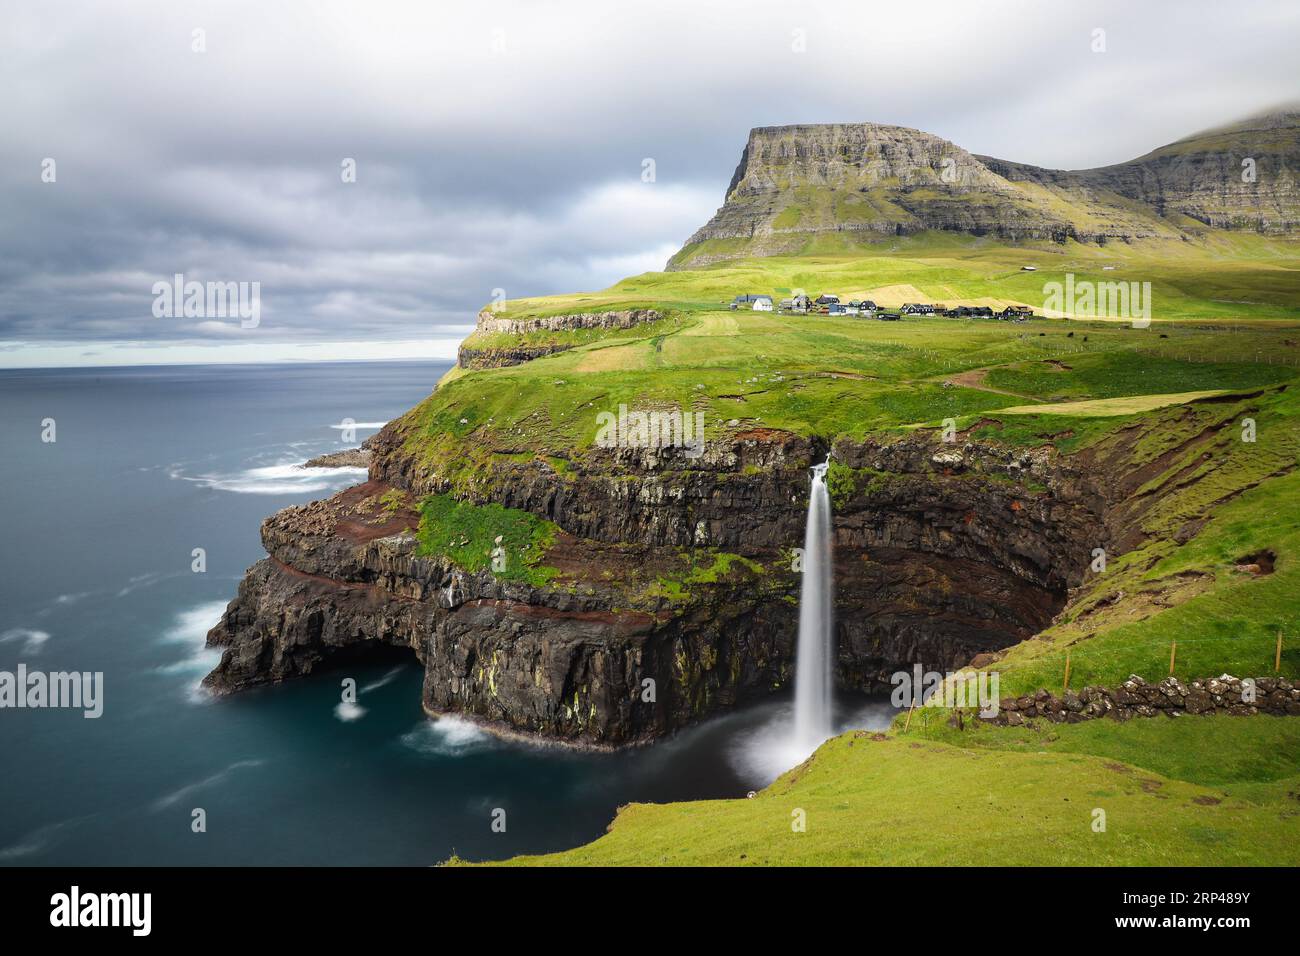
point(812, 674)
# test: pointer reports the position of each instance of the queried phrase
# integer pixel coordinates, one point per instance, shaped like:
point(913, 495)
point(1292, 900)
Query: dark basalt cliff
point(942, 552)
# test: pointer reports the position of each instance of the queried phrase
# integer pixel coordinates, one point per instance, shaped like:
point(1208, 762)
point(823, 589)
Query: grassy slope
point(1192, 791)
point(824, 376)
point(1227, 276)
point(1226, 329)
point(1124, 621)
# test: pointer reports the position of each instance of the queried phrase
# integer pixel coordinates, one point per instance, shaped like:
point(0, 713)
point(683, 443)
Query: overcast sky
point(500, 145)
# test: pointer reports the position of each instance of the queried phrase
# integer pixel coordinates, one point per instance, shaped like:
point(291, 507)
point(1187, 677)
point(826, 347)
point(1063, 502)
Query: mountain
point(813, 188)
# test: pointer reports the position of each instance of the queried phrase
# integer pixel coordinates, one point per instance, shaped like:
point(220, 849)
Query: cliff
point(796, 185)
point(678, 572)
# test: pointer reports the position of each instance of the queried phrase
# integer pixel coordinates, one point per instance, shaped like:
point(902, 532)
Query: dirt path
point(975, 379)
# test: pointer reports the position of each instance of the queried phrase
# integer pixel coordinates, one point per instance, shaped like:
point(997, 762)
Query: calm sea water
point(95, 575)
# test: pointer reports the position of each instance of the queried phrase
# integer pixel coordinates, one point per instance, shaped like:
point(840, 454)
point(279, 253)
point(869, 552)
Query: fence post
point(1277, 658)
point(1173, 651)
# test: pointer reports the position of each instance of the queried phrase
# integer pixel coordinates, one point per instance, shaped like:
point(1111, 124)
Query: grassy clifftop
point(1222, 276)
point(1217, 323)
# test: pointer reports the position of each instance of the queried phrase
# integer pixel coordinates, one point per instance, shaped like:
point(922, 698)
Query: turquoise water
point(95, 575)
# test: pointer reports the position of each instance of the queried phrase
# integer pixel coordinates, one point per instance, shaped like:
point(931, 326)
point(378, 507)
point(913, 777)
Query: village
point(828, 304)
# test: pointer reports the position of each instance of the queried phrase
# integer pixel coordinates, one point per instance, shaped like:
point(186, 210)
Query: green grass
point(468, 535)
point(1188, 792)
point(822, 376)
point(1232, 277)
point(703, 568)
point(1227, 753)
point(1121, 373)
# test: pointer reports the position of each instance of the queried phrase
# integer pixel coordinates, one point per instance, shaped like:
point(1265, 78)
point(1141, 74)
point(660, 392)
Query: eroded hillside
point(800, 190)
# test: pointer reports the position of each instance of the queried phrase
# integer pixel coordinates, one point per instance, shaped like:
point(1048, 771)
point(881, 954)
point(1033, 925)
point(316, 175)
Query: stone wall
point(1138, 698)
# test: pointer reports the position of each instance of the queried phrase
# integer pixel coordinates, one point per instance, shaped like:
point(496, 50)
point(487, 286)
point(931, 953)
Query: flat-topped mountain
point(813, 188)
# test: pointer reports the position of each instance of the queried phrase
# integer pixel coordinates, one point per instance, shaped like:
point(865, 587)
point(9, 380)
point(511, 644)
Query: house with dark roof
point(797, 304)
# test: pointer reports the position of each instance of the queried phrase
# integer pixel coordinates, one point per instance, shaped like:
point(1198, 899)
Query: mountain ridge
point(799, 182)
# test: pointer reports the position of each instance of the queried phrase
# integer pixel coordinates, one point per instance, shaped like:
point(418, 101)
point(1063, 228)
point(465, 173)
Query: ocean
point(97, 575)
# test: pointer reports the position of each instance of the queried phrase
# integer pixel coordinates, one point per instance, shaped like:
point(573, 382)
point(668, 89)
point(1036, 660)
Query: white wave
point(33, 641)
point(447, 737)
point(386, 679)
point(64, 600)
point(192, 626)
point(347, 711)
point(72, 598)
point(31, 843)
point(191, 629)
point(40, 839)
point(286, 478)
point(176, 796)
point(142, 581)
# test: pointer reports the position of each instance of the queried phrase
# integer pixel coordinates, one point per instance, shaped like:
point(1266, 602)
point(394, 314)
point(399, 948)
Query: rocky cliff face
point(942, 552)
point(867, 180)
point(1242, 176)
point(500, 340)
point(794, 181)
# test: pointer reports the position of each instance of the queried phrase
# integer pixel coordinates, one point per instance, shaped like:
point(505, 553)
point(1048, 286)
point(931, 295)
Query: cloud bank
point(501, 145)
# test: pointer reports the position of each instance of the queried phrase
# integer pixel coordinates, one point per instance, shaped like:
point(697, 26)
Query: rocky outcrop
point(485, 350)
point(501, 356)
point(1138, 698)
point(358, 457)
point(347, 458)
point(490, 321)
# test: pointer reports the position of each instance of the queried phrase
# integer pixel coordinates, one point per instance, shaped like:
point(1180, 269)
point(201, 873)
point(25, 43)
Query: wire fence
point(1186, 659)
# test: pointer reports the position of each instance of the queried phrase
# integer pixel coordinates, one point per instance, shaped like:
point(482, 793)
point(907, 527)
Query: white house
point(763, 303)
